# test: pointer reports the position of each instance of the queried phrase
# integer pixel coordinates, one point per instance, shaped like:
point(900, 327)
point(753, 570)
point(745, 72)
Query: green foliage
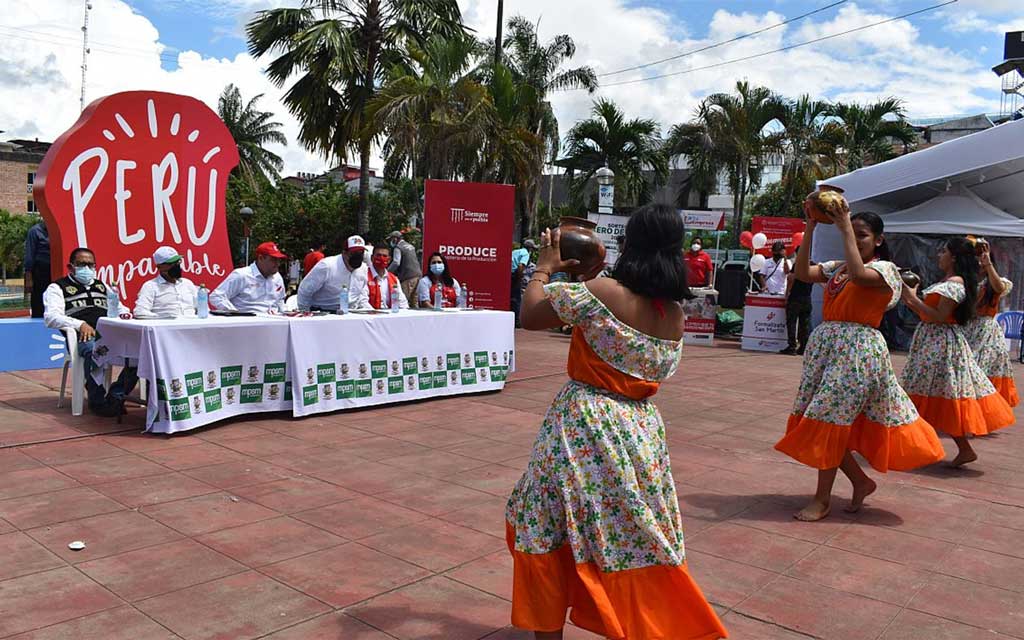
point(13, 229)
point(781, 200)
point(252, 130)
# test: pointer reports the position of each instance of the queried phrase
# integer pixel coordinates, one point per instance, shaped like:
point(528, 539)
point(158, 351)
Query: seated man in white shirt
point(77, 301)
point(772, 276)
point(321, 289)
point(383, 282)
point(258, 288)
point(169, 295)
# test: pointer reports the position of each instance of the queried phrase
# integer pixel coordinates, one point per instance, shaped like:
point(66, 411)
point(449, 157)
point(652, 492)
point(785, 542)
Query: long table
point(211, 369)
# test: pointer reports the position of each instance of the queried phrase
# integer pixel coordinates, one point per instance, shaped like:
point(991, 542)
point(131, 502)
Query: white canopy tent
point(958, 212)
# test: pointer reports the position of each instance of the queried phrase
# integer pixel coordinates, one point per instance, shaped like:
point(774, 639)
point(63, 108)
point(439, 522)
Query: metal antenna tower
point(85, 51)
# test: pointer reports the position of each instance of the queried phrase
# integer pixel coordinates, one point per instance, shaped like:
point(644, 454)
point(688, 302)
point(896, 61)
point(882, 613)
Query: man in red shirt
point(698, 264)
point(315, 255)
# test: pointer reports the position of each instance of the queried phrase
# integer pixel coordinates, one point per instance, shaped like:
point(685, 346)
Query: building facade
point(19, 161)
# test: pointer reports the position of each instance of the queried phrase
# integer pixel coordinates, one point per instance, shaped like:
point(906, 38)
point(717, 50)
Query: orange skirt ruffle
point(1008, 389)
point(965, 416)
point(822, 445)
point(650, 603)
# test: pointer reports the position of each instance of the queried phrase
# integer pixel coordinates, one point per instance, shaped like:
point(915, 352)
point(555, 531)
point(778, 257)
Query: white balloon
point(756, 262)
point(759, 240)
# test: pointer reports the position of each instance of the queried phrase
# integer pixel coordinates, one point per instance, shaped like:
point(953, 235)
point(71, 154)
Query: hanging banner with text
point(609, 228)
point(703, 220)
point(470, 223)
point(776, 229)
point(139, 170)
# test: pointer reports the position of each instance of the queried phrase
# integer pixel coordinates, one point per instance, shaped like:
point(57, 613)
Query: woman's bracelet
point(538, 280)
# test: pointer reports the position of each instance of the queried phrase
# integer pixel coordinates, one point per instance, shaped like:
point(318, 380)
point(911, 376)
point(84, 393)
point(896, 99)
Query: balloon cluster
point(757, 241)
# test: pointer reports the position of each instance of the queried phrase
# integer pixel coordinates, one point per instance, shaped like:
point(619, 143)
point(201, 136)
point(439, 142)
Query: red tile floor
point(387, 523)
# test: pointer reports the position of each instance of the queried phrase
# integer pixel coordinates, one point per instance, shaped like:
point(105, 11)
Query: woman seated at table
point(437, 276)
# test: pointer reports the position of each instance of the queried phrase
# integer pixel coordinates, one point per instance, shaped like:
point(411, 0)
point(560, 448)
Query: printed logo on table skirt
point(274, 391)
point(454, 361)
point(409, 366)
point(177, 388)
point(379, 386)
point(274, 372)
point(230, 395)
point(328, 391)
point(252, 393)
point(230, 376)
point(480, 359)
point(211, 380)
point(468, 376)
point(288, 392)
point(467, 361)
point(161, 389)
point(310, 376)
point(212, 400)
point(426, 381)
point(325, 373)
point(194, 382)
point(494, 358)
point(364, 370)
point(396, 385)
point(453, 378)
point(483, 375)
point(252, 373)
point(379, 369)
point(410, 383)
point(364, 388)
point(424, 364)
point(440, 363)
point(309, 395)
point(395, 370)
point(498, 374)
point(345, 372)
point(179, 409)
point(440, 380)
point(346, 389)
point(197, 404)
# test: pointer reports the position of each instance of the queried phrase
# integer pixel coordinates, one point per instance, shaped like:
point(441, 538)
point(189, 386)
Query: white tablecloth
point(208, 370)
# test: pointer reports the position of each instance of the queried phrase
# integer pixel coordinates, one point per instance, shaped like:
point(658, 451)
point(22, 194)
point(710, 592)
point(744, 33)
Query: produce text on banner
point(776, 229)
point(470, 223)
point(139, 170)
point(609, 228)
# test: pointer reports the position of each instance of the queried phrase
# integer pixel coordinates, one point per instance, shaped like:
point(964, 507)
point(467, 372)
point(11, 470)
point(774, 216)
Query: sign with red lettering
point(776, 229)
point(470, 223)
point(139, 170)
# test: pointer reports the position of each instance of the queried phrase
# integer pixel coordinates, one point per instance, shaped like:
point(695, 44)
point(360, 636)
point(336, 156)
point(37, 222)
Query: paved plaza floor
point(388, 523)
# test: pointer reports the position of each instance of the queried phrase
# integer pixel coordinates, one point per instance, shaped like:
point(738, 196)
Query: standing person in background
point(773, 275)
point(315, 255)
point(798, 313)
point(983, 332)
point(520, 260)
point(698, 264)
point(405, 264)
point(37, 265)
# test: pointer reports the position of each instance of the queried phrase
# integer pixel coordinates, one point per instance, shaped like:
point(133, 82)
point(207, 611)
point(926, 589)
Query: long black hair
point(874, 222)
point(965, 265)
point(990, 297)
point(651, 263)
point(446, 277)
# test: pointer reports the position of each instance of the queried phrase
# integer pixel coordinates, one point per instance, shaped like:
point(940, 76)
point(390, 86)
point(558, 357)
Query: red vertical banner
point(470, 223)
point(776, 229)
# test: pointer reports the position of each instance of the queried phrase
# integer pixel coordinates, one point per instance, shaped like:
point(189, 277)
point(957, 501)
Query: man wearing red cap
point(257, 288)
point(321, 289)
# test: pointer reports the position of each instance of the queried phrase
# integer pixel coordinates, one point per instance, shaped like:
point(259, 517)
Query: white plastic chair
point(73, 362)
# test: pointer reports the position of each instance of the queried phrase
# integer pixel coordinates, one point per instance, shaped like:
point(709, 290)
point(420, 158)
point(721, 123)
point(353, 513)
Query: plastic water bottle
point(113, 303)
point(203, 302)
point(343, 300)
point(460, 301)
point(438, 298)
point(394, 300)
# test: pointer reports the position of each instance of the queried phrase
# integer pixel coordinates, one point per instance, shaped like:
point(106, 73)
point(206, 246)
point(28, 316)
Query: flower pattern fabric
point(599, 477)
point(988, 343)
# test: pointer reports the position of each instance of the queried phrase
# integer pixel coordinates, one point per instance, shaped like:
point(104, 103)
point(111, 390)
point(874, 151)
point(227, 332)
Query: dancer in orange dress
point(941, 375)
point(983, 332)
point(849, 398)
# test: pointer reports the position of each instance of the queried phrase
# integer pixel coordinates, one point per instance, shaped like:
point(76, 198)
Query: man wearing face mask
point(169, 295)
point(405, 264)
point(257, 288)
point(382, 282)
point(321, 289)
point(77, 301)
point(698, 264)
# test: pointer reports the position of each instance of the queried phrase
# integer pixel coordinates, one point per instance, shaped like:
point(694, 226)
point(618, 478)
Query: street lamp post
point(605, 189)
point(246, 214)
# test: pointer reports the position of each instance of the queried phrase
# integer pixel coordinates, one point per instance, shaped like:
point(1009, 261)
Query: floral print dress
point(988, 343)
point(943, 378)
point(594, 523)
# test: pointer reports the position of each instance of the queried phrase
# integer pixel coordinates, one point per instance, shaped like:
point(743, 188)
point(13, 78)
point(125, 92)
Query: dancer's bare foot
point(861, 491)
point(813, 512)
point(964, 457)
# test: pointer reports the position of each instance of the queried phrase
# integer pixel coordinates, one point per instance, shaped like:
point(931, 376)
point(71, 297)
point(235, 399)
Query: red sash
point(375, 297)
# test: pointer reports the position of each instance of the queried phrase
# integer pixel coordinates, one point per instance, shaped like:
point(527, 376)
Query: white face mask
point(695, 247)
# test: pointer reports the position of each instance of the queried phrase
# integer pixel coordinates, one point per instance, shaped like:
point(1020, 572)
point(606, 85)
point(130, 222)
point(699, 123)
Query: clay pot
point(826, 200)
point(578, 241)
point(910, 278)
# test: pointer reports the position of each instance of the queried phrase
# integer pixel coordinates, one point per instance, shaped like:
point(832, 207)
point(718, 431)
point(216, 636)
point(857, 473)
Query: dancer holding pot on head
point(984, 334)
point(849, 397)
point(941, 375)
point(593, 525)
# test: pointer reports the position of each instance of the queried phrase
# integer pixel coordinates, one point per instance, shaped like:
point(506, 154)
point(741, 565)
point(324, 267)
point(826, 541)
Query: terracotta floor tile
point(103, 535)
point(421, 612)
point(488, 450)
point(861, 575)
point(776, 518)
point(295, 494)
point(333, 626)
point(985, 567)
point(56, 506)
point(16, 460)
point(768, 551)
point(111, 469)
point(919, 521)
point(491, 573)
point(6, 527)
point(723, 581)
point(238, 474)
point(438, 437)
point(206, 513)
point(972, 604)
point(138, 492)
point(486, 517)
point(345, 574)
point(361, 517)
point(434, 544)
point(270, 541)
point(742, 627)
point(378, 448)
point(72, 451)
point(21, 555)
point(26, 482)
point(698, 502)
point(893, 545)
point(1005, 516)
point(495, 479)
point(240, 607)
point(27, 603)
point(233, 431)
point(434, 463)
point(913, 625)
point(268, 445)
point(819, 611)
point(435, 497)
point(122, 623)
point(136, 442)
point(367, 477)
point(994, 538)
point(200, 455)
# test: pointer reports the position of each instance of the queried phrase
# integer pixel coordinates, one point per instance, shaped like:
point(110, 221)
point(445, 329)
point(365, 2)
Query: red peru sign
point(139, 170)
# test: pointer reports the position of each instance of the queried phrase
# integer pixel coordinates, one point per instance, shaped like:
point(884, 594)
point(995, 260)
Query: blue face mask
point(85, 275)
point(437, 268)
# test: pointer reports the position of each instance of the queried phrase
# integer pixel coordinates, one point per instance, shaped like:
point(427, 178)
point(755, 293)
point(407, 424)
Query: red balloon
point(798, 238)
point(747, 240)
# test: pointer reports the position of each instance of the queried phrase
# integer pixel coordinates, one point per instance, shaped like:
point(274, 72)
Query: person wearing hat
point(772, 277)
point(257, 288)
point(321, 289)
point(169, 295)
point(405, 264)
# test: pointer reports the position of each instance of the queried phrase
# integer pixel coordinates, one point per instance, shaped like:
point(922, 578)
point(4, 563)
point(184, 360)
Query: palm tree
point(867, 134)
point(252, 130)
point(628, 147)
point(738, 124)
point(810, 146)
point(341, 51)
point(693, 141)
